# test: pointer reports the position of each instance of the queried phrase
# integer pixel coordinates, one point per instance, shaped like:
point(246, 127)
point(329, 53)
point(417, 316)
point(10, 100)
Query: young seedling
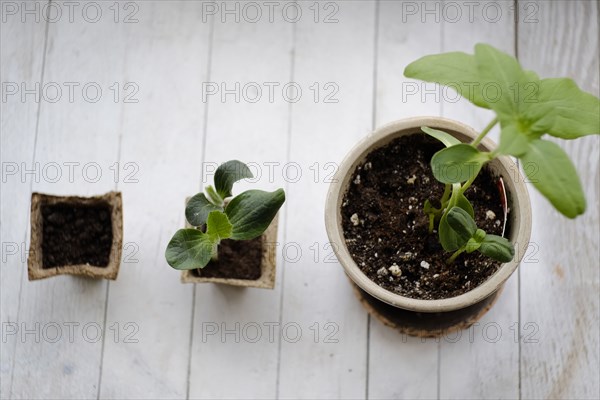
point(244, 217)
point(471, 238)
point(527, 108)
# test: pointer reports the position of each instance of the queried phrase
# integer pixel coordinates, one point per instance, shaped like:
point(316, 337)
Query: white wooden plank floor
point(153, 94)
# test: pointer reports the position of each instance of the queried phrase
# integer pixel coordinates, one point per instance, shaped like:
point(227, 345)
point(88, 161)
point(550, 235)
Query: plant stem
point(431, 222)
point(215, 253)
point(213, 196)
point(484, 132)
point(446, 194)
point(456, 254)
point(468, 183)
point(454, 198)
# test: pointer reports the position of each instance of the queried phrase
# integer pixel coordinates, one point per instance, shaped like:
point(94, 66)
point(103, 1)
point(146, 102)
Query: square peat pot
point(248, 263)
point(76, 236)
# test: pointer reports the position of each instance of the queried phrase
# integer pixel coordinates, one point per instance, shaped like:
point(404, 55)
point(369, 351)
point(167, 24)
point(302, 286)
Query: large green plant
point(527, 108)
point(245, 217)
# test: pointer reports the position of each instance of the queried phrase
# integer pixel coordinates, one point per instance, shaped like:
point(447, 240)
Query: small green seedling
point(471, 238)
point(246, 216)
point(527, 108)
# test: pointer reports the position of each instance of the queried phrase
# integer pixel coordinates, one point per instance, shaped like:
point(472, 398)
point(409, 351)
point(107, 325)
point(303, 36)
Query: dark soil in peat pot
point(76, 235)
point(384, 223)
point(238, 259)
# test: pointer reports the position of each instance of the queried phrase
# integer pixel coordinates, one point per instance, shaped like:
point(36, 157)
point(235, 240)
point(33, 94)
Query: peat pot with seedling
point(429, 218)
point(228, 240)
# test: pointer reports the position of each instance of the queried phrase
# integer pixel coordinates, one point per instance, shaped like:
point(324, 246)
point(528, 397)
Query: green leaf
point(505, 85)
point(457, 163)
point(229, 173)
point(447, 139)
point(189, 249)
point(463, 203)
point(462, 223)
point(498, 248)
point(251, 212)
point(198, 208)
point(218, 226)
point(479, 235)
point(512, 141)
point(555, 177)
point(563, 110)
point(475, 242)
point(449, 239)
point(472, 245)
point(456, 69)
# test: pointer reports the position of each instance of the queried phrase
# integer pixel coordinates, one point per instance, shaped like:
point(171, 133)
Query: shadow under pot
point(246, 263)
point(374, 218)
point(76, 236)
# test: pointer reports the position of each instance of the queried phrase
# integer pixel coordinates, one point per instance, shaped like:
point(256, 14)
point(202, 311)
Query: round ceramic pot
point(428, 317)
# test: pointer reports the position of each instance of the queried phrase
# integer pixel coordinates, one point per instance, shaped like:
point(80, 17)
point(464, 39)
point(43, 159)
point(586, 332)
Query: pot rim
point(520, 208)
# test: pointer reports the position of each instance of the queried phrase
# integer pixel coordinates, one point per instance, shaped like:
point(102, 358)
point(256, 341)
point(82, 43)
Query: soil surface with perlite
point(238, 259)
point(76, 234)
point(387, 232)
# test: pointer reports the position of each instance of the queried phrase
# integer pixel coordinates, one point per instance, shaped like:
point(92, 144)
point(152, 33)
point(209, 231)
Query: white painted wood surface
point(159, 306)
point(316, 295)
point(560, 285)
point(17, 143)
point(157, 340)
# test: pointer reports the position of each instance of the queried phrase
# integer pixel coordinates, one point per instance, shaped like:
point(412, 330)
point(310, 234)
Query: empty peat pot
point(413, 315)
point(246, 263)
point(76, 236)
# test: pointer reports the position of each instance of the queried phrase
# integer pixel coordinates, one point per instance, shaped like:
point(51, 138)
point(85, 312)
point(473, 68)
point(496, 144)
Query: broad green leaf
point(251, 212)
point(555, 177)
point(498, 248)
point(463, 203)
point(198, 208)
point(563, 110)
point(447, 139)
point(457, 163)
point(512, 141)
point(189, 249)
point(449, 238)
point(229, 173)
point(218, 226)
point(462, 223)
point(505, 85)
point(456, 70)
